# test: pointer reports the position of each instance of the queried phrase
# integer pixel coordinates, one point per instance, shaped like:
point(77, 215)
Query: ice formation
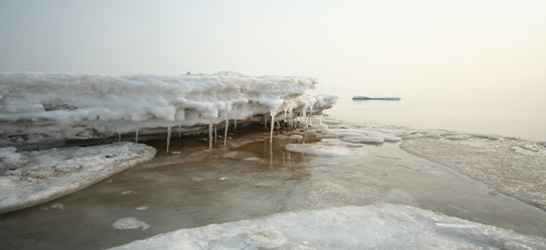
point(511, 166)
point(370, 227)
point(319, 149)
point(33, 177)
point(130, 223)
point(42, 108)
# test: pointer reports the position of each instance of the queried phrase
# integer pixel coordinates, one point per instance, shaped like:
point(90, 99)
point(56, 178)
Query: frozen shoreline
point(326, 168)
point(37, 108)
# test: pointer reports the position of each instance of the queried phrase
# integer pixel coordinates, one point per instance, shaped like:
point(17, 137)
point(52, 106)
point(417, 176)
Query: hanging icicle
point(180, 132)
point(304, 117)
point(210, 135)
point(168, 138)
point(136, 135)
point(310, 117)
point(272, 127)
point(215, 134)
point(226, 132)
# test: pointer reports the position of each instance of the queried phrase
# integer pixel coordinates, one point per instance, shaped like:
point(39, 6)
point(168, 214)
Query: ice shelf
point(52, 108)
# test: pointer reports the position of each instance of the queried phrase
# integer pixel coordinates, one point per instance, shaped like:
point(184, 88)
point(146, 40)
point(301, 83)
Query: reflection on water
point(255, 180)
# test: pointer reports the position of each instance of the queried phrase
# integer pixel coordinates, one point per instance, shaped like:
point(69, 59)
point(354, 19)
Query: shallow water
point(257, 180)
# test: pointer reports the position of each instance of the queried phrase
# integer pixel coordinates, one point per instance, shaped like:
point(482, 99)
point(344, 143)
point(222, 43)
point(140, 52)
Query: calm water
point(509, 113)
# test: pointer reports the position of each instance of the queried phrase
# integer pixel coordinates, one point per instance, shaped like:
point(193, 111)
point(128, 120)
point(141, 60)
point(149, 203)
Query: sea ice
point(57, 107)
point(41, 176)
point(363, 139)
point(129, 223)
point(319, 149)
point(383, 226)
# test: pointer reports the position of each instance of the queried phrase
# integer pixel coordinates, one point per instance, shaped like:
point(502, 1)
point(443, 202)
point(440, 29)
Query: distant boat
point(366, 98)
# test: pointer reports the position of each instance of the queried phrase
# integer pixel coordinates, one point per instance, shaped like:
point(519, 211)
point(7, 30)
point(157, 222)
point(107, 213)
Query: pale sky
point(385, 45)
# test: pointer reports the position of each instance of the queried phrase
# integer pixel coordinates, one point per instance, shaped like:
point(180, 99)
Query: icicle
point(210, 135)
point(311, 116)
point(265, 121)
point(226, 132)
point(136, 135)
point(119, 135)
point(272, 127)
point(168, 138)
point(180, 131)
point(304, 117)
point(215, 134)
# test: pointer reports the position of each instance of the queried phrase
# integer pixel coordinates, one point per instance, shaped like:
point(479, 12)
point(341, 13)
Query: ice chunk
point(296, 137)
point(363, 139)
point(319, 150)
point(50, 174)
point(371, 227)
point(130, 223)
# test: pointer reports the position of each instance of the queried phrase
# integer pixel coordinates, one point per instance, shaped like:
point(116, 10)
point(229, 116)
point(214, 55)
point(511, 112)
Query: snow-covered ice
point(382, 226)
point(57, 107)
point(39, 176)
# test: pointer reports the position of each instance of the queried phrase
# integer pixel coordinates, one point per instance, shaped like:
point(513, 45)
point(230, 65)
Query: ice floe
point(130, 223)
point(40, 176)
point(316, 149)
point(371, 227)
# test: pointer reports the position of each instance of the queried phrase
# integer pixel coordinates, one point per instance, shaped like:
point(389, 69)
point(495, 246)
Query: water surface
point(252, 181)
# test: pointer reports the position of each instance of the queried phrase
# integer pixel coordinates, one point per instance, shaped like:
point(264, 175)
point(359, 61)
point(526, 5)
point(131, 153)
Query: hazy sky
point(385, 45)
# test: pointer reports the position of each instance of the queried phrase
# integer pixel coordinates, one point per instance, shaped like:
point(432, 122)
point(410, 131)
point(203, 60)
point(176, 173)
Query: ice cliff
point(52, 108)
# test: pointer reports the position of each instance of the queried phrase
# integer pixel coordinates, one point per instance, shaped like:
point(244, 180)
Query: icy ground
point(30, 178)
point(51, 108)
point(370, 227)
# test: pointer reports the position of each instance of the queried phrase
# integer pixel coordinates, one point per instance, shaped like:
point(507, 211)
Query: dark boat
point(366, 98)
